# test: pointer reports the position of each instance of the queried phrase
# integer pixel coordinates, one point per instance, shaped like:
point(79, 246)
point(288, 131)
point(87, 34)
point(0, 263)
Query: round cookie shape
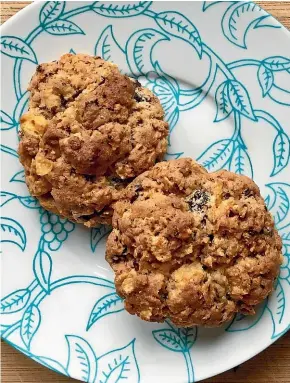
point(191, 246)
point(89, 130)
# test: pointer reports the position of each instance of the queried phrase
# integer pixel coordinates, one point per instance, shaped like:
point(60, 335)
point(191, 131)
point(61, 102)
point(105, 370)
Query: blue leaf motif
point(207, 4)
point(188, 336)
point(51, 11)
point(30, 202)
point(245, 322)
point(277, 63)
point(15, 301)
point(30, 324)
point(166, 89)
point(286, 237)
point(12, 232)
point(286, 240)
point(277, 307)
point(261, 114)
point(285, 271)
point(172, 117)
point(177, 25)
point(280, 95)
point(266, 79)
point(241, 162)
point(169, 339)
point(106, 305)
point(5, 197)
point(108, 48)
point(17, 48)
point(279, 205)
point(224, 107)
point(280, 145)
point(168, 82)
point(63, 27)
point(239, 18)
point(281, 152)
point(6, 121)
point(8, 150)
point(18, 177)
point(120, 9)
point(216, 156)
point(118, 365)
point(139, 50)
point(97, 234)
point(72, 51)
point(42, 268)
point(285, 267)
point(82, 362)
point(240, 99)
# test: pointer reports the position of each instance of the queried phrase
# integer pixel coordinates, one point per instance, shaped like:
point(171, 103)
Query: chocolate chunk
point(203, 221)
point(120, 257)
point(86, 218)
point(115, 181)
point(39, 69)
point(248, 193)
point(198, 200)
point(265, 231)
point(268, 231)
point(211, 238)
point(163, 295)
point(89, 177)
point(136, 265)
point(137, 189)
point(140, 97)
point(231, 214)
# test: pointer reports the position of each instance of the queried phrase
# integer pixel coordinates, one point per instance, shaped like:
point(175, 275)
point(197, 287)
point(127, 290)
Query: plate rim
point(8, 24)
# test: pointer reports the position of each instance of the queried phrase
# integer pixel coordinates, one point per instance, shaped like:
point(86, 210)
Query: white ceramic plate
point(222, 73)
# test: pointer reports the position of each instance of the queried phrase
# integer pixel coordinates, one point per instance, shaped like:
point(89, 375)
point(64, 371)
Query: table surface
point(272, 365)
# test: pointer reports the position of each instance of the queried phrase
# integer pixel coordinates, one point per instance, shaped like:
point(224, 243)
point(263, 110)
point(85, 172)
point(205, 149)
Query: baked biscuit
point(89, 130)
point(191, 246)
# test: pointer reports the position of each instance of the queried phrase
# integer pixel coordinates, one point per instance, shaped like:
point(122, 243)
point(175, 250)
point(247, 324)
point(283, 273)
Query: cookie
point(89, 130)
point(191, 246)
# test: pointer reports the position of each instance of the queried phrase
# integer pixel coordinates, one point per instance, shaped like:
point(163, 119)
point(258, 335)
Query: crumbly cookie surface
point(88, 131)
point(191, 246)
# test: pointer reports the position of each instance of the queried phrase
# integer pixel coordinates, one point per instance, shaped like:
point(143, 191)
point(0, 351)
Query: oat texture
point(89, 130)
point(191, 246)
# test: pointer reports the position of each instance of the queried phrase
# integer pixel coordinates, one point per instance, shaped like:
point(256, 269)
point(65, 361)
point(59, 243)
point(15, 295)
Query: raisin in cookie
point(88, 131)
point(191, 246)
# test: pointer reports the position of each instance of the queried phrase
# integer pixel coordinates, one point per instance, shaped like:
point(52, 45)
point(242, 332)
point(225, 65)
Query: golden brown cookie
point(88, 131)
point(191, 246)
